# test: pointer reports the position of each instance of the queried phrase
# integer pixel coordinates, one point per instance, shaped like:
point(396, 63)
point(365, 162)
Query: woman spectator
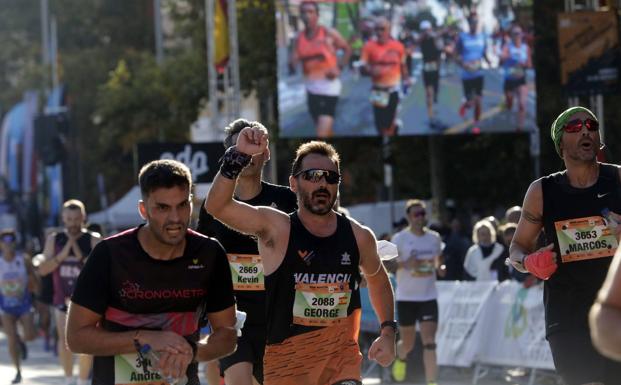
point(485, 258)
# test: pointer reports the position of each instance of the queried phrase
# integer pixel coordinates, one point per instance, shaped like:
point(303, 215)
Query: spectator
point(513, 214)
point(457, 245)
point(485, 259)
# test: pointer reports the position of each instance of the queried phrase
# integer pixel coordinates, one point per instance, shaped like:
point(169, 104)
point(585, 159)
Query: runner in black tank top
point(572, 208)
point(245, 264)
point(311, 260)
point(247, 272)
point(313, 266)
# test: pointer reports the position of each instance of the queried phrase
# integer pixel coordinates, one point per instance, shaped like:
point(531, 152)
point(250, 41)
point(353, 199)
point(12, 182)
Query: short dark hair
point(310, 2)
point(414, 203)
point(314, 147)
point(235, 128)
point(165, 173)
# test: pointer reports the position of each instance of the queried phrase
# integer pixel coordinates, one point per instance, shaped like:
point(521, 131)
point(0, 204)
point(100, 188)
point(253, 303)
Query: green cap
point(556, 131)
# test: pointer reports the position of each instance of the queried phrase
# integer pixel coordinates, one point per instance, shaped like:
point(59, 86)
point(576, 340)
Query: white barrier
point(487, 323)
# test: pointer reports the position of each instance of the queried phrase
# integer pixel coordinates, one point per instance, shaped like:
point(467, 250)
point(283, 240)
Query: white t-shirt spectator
point(420, 284)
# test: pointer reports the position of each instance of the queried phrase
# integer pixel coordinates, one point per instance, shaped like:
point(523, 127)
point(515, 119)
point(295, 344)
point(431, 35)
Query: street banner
point(201, 158)
point(588, 44)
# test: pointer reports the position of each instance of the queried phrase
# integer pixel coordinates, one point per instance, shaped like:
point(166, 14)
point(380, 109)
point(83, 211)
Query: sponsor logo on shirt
point(132, 290)
point(306, 256)
point(345, 259)
point(195, 265)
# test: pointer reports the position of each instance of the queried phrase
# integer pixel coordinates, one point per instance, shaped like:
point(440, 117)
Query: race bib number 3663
point(247, 271)
point(321, 304)
point(585, 238)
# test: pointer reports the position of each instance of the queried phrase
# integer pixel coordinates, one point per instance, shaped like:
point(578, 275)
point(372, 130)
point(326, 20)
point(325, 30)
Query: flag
point(221, 34)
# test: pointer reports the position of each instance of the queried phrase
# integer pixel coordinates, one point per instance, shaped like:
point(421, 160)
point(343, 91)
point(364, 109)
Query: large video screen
point(409, 67)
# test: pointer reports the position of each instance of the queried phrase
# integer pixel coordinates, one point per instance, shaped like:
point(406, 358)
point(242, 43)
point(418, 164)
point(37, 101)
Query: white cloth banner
point(491, 323)
point(485, 322)
point(460, 305)
point(514, 329)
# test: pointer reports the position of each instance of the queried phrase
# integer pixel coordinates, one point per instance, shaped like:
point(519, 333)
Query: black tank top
point(583, 241)
point(429, 49)
point(317, 283)
point(243, 252)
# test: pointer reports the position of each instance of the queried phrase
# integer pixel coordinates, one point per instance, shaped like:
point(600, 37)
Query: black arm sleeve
point(92, 288)
point(220, 285)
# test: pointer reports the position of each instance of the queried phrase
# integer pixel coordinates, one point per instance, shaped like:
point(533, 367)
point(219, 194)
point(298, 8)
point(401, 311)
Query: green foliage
point(20, 57)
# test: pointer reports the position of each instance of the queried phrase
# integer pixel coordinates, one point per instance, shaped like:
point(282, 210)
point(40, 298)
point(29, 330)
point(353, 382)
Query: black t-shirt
point(132, 290)
point(429, 48)
point(584, 244)
point(250, 295)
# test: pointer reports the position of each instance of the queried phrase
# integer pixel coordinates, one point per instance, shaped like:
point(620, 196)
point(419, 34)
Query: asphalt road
point(42, 368)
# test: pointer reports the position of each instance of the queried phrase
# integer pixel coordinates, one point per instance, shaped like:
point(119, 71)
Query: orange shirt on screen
point(317, 54)
point(385, 61)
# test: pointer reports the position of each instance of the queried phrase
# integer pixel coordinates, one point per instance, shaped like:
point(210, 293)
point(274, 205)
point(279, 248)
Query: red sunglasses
point(575, 125)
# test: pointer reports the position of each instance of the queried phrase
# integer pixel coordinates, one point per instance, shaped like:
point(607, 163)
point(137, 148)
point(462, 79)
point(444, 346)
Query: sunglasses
point(418, 214)
point(7, 239)
point(314, 175)
point(575, 125)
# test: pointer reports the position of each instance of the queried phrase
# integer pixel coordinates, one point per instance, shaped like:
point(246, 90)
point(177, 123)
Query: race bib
point(247, 271)
point(585, 238)
point(379, 98)
point(472, 66)
point(129, 370)
point(425, 269)
point(13, 289)
point(431, 66)
point(321, 304)
point(517, 72)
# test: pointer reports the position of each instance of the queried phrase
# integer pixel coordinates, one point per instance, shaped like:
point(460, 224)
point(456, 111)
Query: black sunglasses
point(7, 238)
point(575, 125)
point(314, 175)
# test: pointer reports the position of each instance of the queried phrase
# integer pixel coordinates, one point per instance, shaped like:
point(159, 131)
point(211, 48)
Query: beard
point(315, 205)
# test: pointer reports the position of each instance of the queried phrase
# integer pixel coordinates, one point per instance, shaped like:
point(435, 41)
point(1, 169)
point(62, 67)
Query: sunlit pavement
point(42, 368)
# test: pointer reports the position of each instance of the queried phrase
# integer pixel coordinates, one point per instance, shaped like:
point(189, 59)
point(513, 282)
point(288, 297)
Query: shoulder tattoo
point(536, 219)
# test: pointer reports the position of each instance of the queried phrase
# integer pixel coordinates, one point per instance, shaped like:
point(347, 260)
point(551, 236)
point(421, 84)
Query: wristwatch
point(392, 324)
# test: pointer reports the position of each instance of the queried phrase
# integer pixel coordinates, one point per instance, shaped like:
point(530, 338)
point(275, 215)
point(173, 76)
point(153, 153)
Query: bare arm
point(34, 284)
point(85, 336)
point(605, 315)
point(380, 289)
point(529, 61)
point(531, 222)
point(342, 44)
point(223, 339)
point(380, 293)
point(52, 260)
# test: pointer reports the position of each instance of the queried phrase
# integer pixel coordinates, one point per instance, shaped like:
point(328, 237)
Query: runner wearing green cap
point(575, 208)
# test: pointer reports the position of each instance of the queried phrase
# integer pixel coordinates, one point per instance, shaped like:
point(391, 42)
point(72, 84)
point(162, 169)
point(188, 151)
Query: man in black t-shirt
point(431, 49)
point(575, 209)
point(245, 261)
point(148, 286)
